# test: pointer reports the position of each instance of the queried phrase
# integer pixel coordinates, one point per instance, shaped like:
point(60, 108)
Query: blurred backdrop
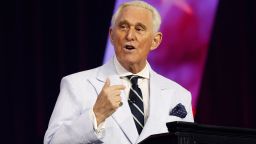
point(41, 41)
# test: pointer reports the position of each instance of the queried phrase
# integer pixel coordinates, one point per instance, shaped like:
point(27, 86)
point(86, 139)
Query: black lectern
point(192, 133)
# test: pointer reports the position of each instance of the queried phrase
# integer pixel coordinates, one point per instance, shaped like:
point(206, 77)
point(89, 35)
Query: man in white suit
point(93, 106)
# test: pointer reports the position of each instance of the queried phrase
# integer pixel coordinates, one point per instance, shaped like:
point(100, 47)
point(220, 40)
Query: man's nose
point(130, 36)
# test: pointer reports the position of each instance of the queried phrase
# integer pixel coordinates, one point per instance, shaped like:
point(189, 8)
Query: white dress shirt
point(143, 84)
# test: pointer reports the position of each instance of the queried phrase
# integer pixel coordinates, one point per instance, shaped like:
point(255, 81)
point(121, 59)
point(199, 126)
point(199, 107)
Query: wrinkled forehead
point(135, 14)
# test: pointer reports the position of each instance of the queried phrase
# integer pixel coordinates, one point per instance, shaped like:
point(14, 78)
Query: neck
point(134, 68)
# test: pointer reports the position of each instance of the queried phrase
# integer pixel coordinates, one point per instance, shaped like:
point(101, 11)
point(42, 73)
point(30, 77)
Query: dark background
point(43, 40)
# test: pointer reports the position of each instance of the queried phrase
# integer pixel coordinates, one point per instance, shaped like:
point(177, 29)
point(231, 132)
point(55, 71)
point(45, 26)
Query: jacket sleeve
point(70, 121)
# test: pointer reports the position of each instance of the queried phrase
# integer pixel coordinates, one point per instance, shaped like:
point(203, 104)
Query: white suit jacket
point(70, 122)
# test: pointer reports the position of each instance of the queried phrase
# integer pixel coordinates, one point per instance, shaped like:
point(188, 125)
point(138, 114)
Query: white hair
point(155, 14)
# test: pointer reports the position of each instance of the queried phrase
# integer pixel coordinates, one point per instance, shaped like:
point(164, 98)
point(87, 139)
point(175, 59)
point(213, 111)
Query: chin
point(129, 59)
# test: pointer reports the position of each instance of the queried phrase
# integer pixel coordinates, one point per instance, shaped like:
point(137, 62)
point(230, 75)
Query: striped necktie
point(136, 102)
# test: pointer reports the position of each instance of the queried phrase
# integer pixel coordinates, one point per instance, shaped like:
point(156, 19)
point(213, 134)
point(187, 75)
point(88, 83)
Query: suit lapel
point(155, 107)
point(122, 116)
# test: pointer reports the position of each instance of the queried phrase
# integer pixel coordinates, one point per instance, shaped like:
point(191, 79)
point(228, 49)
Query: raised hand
point(108, 101)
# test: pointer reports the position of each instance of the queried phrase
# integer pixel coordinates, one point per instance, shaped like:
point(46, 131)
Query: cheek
point(146, 46)
point(146, 41)
point(118, 42)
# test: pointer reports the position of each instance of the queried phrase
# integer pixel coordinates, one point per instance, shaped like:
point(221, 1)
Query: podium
point(192, 133)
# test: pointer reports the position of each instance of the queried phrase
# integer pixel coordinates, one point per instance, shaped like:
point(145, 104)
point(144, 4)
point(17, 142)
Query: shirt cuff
point(98, 129)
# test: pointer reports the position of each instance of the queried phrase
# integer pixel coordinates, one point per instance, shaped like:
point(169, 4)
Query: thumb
point(107, 83)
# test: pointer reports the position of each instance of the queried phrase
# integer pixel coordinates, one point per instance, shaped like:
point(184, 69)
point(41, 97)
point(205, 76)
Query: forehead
point(135, 14)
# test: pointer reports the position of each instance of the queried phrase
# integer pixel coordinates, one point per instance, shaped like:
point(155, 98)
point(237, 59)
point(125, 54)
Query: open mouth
point(129, 47)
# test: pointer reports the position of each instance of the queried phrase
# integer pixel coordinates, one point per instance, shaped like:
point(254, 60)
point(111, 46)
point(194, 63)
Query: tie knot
point(133, 79)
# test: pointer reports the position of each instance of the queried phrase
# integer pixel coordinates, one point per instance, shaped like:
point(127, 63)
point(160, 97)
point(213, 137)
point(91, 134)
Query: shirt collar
point(122, 72)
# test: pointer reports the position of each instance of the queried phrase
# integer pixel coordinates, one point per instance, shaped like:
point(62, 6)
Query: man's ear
point(111, 34)
point(156, 40)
